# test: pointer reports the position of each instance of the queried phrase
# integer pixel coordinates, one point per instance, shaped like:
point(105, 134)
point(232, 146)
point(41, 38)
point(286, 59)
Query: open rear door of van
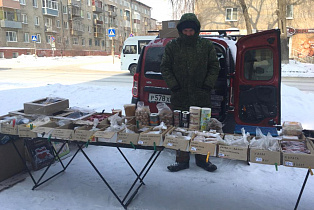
point(257, 80)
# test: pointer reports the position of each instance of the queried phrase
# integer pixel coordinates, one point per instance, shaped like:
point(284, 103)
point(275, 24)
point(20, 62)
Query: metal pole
point(112, 50)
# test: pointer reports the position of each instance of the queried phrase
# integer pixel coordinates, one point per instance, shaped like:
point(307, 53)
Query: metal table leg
point(304, 183)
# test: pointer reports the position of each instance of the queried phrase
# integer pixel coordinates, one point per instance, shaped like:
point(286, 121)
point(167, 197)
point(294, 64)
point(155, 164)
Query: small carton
point(265, 156)
point(152, 138)
point(84, 133)
point(45, 130)
point(126, 138)
point(46, 106)
point(177, 142)
point(72, 114)
point(169, 29)
point(197, 147)
point(299, 160)
point(25, 131)
point(106, 136)
point(234, 152)
point(8, 124)
point(101, 117)
point(64, 132)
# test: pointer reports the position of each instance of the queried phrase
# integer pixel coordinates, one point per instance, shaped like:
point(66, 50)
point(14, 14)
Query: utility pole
point(281, 12)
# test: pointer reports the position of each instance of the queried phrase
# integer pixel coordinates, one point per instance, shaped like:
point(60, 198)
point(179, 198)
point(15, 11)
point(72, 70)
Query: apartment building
point(227, 14)
point(70, 27)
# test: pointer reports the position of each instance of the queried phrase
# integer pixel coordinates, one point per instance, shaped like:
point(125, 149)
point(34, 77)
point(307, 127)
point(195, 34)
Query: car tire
point(133, 69)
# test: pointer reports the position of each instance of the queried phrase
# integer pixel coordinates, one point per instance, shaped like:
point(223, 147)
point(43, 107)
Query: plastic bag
point(215, 124)
point(264, 142)
point(165, 113)
point(160, 127)
point(237, 140)
point(142, 114)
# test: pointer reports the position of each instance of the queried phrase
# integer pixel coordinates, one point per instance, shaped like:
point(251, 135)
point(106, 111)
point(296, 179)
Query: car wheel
point(133, 69)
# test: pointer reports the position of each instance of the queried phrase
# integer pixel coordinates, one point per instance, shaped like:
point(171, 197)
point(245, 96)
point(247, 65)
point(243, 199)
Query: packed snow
point(235, 185)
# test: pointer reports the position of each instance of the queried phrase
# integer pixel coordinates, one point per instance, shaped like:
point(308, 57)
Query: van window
point(258, 64)
point(152, 62)
point(130, 49)
point(141, 44)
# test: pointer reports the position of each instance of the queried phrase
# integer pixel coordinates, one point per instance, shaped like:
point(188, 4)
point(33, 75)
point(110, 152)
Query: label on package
point(258, 159)
point(288, 163)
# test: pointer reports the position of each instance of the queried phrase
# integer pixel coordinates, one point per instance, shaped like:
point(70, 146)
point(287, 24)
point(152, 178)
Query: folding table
point(133, 190)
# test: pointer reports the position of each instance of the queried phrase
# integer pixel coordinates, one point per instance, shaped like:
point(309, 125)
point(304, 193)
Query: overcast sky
point(161, 9)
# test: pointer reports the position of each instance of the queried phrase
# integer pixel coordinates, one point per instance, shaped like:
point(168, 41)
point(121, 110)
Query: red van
point(247, 91)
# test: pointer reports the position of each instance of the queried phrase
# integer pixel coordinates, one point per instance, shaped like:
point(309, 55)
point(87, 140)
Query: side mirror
point(123, 51)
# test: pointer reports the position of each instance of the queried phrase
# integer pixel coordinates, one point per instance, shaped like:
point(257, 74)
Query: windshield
point(152, 62)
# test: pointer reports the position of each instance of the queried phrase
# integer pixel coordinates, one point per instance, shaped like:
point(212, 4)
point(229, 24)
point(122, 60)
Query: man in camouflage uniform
point(190, 68)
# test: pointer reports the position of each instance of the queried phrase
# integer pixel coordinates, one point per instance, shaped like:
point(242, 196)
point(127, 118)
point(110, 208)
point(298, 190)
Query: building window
point(231, 14)
point(66, 24)
point(83, 42)
point(88, 15)
point(88, 3)
point(58, 23)
point(58, 39)
point(1, 54)
point(289, 12)
point(90, 42)
point(97, 42)
point(65, 9)
point(26, 37)
point(15, 54)
point(75, 40)
point(11, 36)
point(22, 2)
point(36, 21)
point(48, 39)
point(24, 18)
point(35, 3)
point(38, 38)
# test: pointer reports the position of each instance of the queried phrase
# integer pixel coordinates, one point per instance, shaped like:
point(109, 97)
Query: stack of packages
point(265, 149)
point(297, 150)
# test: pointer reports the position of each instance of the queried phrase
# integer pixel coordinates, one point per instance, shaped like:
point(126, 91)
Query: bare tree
point(179, 7)
point(246, 16)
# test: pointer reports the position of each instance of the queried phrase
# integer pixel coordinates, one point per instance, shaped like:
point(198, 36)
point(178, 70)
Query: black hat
point(187, 24)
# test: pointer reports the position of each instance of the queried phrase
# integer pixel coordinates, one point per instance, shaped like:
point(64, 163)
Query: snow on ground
point(235, 185)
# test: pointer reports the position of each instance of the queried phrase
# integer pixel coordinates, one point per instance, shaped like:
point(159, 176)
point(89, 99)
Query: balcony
point(98, 22)
point(50, 12)
point(97, 6)
point(98, 35)
point(75, 11)
point(10, 24)
point(76, 32)
point(10, 4)
point(50, 29)
point(112, 14)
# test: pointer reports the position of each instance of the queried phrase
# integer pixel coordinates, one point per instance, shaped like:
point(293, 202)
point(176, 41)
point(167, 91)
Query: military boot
point(178, 166)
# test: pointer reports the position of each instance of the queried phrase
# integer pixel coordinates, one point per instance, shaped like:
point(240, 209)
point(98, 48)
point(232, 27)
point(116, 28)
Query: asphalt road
point(302, 83)
point(76, 74)
point(67, 74)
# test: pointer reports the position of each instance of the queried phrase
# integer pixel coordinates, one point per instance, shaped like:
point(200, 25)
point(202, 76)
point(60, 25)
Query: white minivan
point(131, 51)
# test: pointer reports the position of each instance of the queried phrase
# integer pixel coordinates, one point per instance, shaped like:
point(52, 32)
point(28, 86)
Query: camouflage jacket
point(190, 69)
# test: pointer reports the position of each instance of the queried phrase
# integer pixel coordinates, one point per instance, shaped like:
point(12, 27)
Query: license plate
point(158, 98)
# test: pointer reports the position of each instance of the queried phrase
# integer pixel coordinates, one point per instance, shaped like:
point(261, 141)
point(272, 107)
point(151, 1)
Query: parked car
point(247, 91)
point(131, 51)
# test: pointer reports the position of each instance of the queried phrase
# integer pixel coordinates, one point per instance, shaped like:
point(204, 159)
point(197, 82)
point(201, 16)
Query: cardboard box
point(265, 156)
point(169, 24)
point(45, 130)
point(10, 162)
point(299, 160)
point(41, 107)
point(148, 139)
point(233, 152)
point(126, 138)
point(64, 132)
point(89, 119)
point(169, 33)
point(24, 131)
point(177, 142)
point(197, 147)
point(106, 136)
point(85, 133)
point(7, 126)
